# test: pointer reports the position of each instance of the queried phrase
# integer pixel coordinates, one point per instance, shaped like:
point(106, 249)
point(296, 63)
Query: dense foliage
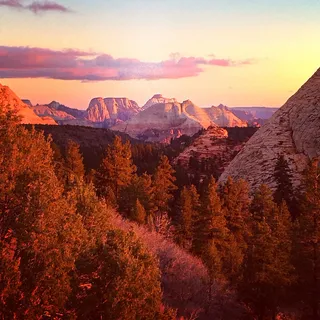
point(66, 254)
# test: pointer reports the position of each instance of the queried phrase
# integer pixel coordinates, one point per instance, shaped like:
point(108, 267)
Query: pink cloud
point(11, 3)
point(25, 62)
point(36, 6)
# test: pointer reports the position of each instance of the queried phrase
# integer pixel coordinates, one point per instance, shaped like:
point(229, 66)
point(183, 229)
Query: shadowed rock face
point(294, 131)
point(10, 101)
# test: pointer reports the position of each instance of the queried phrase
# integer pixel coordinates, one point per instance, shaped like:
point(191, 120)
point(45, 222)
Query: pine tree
point(37, 222)
point(268, 269)
point(116, 169)
point(283, 177)
point(213, 230)
point(139, 213)
point(140, 188)
point(189, 206)
point(122, 281)
point(163, 182)
point(263, 206)
point(235, 203)
point(73, 163)
point(308, 236)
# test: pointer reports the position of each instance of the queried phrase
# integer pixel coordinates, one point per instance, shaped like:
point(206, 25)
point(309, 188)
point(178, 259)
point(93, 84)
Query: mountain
point(27, 102)
point(45, 110)
point(111, 110)
point(224, 117)
point(156, 99)
point(71, 111)
point(293, 131)
point(10, 101)
point(163, 121)
point(254, 116)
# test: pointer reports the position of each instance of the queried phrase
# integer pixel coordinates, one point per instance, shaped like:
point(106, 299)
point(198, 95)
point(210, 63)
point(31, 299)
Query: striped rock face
point(294, 131)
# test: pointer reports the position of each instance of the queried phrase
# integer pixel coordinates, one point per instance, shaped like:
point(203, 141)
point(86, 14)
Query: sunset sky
point(235, 52)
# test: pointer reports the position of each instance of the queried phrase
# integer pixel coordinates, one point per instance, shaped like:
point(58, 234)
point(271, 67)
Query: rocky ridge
point(10, 101)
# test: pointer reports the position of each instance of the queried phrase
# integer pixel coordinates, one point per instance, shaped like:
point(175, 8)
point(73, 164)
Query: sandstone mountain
point(156, 99)
point(163, 121)
point(76, 113)
point(254, 116)
point(224, 117)
point(10, 101)
point(111, 110)
point(293, 131)
point(57, 115)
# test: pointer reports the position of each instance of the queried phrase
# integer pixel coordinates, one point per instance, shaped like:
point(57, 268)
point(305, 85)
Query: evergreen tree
point(189, 206)
point(213, 231)
point(39, 220)
point(139, 213)
point(116, 169)
point(263, 206)
point(236, 202)
point(73, 163)
point(283, 177)
point(118, 280)
point(163, 182)
point(268, 268)
point(140, 188)
point(308, 236)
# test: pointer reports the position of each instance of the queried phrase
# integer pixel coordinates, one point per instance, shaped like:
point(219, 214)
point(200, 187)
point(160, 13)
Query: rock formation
point(166, 120)
point(10, 101)
point(254, 116)
point(294, 131)
point(111, 109)
point(224, 117)
point(156, 99)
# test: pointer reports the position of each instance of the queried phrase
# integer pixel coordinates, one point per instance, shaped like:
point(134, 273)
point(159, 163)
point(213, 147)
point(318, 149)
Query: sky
point(235, 52)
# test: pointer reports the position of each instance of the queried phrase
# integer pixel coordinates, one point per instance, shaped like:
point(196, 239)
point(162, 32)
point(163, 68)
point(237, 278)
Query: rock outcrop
point(224, 117)
point(156, 99)
point(111, 110)
point(165, 121)
point(10, 101)
point(293, 131)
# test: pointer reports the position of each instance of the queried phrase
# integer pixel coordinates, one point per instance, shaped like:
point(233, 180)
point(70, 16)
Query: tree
point(73, 163)
point(39, 228)
point(283, 177)
point(308, 236)
point(189, 206)
point(140, 188)
point(118, 280)
point(214, 239)
point(163, 182)
point(268, 269)
point(235, 199)
point(116, 169)
point(139, 213)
